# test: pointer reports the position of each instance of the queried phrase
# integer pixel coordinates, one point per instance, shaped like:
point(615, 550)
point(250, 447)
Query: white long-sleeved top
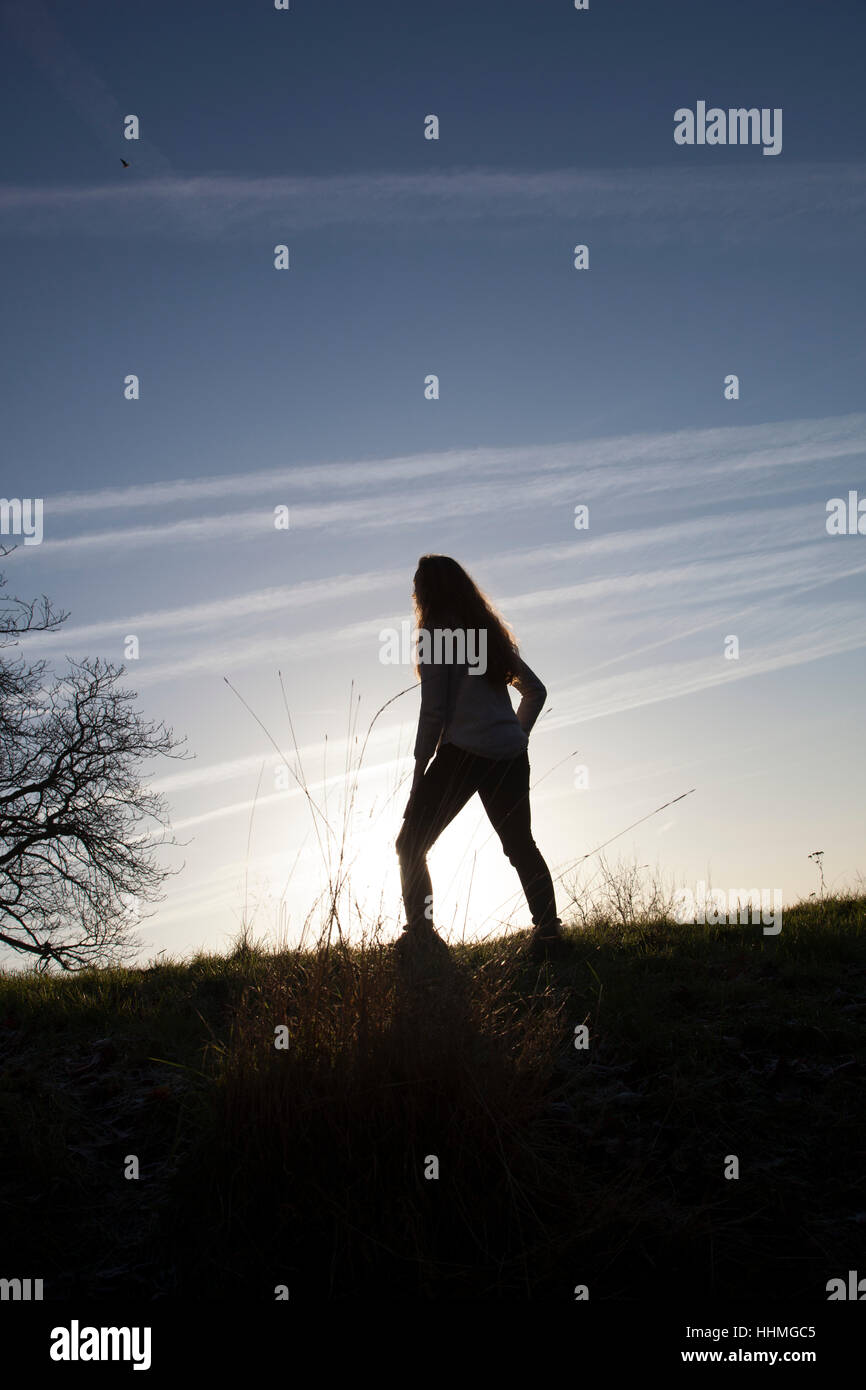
point(472, 713)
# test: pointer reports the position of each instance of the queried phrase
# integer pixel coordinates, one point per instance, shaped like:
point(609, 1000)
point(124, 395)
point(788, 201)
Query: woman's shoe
point(423, 937)
point(552, 932)
point(544, 939)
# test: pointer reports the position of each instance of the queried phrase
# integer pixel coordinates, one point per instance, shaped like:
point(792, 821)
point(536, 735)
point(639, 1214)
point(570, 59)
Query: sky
point(306, 388)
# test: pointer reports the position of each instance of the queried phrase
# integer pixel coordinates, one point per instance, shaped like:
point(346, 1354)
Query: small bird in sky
point(125, 163)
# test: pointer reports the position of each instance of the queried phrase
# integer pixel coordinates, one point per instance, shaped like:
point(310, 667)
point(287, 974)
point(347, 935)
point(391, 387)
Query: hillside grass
point(305, 1167)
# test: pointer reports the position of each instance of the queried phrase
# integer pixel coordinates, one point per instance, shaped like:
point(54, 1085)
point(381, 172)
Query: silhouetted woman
point(480, 744)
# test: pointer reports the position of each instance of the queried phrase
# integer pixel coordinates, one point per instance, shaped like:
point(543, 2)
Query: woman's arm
point(533, 695)
point(431, 720)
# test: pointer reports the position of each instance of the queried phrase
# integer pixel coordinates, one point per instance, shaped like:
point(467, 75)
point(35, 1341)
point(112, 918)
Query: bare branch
point(77, 857)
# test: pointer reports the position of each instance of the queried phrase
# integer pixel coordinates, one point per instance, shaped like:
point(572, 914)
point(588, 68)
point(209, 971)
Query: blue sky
point(557, 387)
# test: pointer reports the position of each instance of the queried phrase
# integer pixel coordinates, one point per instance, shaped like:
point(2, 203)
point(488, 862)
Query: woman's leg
point(504, 792)
point(450, 780)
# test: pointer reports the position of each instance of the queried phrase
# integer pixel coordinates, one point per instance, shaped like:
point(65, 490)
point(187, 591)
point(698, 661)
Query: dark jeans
point(503, 785)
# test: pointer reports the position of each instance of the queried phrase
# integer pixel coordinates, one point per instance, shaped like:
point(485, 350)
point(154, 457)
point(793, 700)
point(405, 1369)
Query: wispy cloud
point(828, 632)
point(656, 459)
point(692, 466)
point(653, 205)
point(257, 603)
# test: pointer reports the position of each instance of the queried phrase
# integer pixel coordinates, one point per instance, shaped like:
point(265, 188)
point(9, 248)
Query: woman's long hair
point(445, 596)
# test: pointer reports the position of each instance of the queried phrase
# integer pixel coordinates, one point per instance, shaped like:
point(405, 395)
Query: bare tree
point(78, 828)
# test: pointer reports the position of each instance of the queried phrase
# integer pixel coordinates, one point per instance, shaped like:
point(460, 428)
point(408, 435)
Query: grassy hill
point(557, 1165)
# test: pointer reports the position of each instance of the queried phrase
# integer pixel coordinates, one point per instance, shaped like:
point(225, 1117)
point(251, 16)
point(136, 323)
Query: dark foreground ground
point(557, 1166)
